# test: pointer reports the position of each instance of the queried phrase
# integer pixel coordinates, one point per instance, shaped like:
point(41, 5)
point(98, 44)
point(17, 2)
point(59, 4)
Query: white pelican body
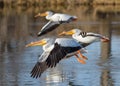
point(54, 51)
point(85, 38)
point(55, 19)
point(65, 18)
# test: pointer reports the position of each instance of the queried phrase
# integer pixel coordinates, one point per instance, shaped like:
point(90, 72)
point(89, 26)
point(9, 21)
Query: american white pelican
point(54, 51)
point(85, 38)
point(55, 19)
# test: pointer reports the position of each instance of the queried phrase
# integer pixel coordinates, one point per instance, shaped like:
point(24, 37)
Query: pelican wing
point(40, 66)
point(67, 42)
point(38, 69)
point(48, 59)
point(56, 55)
point(51, 25)
point(62, 47)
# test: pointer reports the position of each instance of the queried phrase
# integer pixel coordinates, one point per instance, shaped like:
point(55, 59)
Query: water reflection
point(55, 75)
point(106, 78)
point(18, 27)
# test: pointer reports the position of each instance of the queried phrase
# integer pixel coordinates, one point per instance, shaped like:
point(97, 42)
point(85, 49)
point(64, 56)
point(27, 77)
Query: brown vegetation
point(58, 2)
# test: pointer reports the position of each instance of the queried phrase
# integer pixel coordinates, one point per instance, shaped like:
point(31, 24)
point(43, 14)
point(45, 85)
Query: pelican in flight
point(55, 19)
point(85, 38)
point(54, 51)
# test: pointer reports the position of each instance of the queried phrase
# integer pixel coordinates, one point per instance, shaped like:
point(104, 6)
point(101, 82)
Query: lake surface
point(19, 27)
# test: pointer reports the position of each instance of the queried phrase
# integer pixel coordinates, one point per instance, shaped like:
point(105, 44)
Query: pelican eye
point(83, 34)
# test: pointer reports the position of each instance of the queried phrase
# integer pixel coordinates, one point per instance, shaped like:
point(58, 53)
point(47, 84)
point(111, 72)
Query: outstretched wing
point(62, 47)
point(51, 25)
point(56, 55)
point(50, 59)
point(40, 66)
point(38, 69)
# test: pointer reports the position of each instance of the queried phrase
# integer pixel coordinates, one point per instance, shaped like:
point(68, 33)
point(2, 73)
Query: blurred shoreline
point(28, 3)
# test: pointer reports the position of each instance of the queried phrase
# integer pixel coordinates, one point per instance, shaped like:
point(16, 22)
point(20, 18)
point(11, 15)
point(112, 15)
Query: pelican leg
point(82, 56)
point(80, 60)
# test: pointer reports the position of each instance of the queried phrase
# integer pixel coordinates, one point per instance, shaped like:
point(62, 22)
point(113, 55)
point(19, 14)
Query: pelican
point(84, 38)
point(54, 51)
point(55, 19)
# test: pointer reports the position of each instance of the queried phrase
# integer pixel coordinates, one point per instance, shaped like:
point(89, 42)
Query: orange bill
point(41, 14)
point(37, 43)
point(105, 39)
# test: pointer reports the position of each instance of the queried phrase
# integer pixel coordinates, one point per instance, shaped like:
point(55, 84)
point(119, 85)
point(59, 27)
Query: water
point(19, 27)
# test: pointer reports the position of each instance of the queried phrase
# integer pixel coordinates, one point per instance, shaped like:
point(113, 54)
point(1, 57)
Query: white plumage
point(84, 37)
point(67, 42)
point(57, 16)
point(54, 51)
point(55, 19)
point(60, 17)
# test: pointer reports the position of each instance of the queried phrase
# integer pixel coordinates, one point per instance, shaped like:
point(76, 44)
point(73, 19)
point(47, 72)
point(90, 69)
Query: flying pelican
point(85, 38)
point(55, 19)
point(54, 51)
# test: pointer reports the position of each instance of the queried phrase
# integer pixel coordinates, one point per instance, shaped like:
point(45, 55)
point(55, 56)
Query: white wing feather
point(67, 42)
point(44, 56)
point(60, 17)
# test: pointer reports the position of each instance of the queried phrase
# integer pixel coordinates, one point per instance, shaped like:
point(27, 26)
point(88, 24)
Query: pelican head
point(71, 32)
point(44, 14)
point(85, 37)
point(40, 42)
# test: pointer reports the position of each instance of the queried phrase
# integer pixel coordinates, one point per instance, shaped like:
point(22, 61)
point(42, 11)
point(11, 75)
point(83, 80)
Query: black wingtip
point(40, 34)
point(38, 69)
